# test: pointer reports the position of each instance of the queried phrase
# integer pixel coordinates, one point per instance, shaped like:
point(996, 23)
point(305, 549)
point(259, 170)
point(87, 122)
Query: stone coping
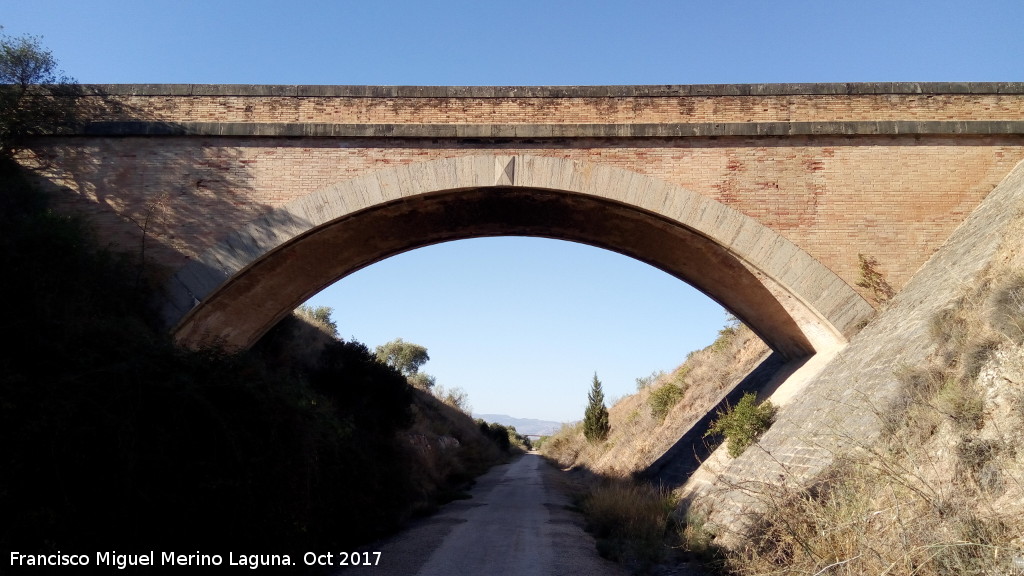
point(651, 91)
point(670, 130)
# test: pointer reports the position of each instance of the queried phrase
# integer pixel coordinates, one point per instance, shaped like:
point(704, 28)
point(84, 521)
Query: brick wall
point(893, 196)
point(423, 106)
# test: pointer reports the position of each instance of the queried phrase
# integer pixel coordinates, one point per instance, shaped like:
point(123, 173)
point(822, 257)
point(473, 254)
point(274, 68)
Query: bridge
point(254, 198)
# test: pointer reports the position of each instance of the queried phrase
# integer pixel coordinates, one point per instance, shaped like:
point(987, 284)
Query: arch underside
point(243, 287)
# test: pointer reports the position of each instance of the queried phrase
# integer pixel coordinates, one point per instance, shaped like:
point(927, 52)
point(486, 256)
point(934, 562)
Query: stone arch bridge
point(253, 198)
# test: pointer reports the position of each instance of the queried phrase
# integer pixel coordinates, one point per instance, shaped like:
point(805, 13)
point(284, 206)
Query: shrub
point(455, 397)
point(319, 316)
point(645, 381)
point(664, 399)
point(112, 436)
point(497, 433)
point(424, 381)
point(725, 336)
point(744, 423)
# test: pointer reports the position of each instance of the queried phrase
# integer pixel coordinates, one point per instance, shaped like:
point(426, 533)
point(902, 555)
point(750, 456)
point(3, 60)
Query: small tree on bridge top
point(595, 419)
point(35, 98)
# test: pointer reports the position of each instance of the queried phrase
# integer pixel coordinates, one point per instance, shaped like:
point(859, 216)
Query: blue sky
point(522, 324)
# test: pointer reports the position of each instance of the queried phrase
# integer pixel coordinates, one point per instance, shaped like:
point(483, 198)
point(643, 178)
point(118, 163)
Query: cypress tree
point(595, 419)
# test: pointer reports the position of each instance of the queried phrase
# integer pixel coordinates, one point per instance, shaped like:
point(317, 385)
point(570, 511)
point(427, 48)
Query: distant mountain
point(523, 425)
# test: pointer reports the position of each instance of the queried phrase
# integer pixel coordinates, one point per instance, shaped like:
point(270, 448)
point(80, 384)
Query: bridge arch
point(241, 287)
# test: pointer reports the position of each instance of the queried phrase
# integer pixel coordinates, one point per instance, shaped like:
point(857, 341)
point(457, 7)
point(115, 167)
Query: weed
point(974, 356)
point(975, 457)
point(872, 515)
point(962, 403)
point(917, 388)
point(697, 539)
point(566, 444)
point(629, 521)
point(873, 280)
point(949, 327)
point(1007, 309)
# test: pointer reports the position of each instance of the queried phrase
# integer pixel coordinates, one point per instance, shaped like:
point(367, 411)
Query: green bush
point(664, 399)
point(743, 423)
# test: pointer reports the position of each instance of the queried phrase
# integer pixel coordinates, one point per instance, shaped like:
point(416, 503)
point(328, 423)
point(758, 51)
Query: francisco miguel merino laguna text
point(122, 561)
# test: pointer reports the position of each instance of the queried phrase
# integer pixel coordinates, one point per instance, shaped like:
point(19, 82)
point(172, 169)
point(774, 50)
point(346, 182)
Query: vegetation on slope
point(942, 492)
point(113, 438)
point(644, 425)
point(743, 423)
point(632, 521)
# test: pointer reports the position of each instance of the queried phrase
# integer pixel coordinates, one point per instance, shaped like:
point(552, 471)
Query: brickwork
point(887, 170)
point(254, 197)
point(893, 197)
point(551, 107)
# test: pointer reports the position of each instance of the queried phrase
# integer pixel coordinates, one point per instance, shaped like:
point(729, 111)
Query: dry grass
point(1007, 308)
point(629, 521)
point(941, 492)
point(886, 513)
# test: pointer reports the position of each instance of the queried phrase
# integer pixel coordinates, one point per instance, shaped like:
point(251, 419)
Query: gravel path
point(516, 523)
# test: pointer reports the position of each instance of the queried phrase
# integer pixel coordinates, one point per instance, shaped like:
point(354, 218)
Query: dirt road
point(516, 523)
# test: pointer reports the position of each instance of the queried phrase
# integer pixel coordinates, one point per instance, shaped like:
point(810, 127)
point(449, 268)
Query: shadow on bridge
point(159, 205)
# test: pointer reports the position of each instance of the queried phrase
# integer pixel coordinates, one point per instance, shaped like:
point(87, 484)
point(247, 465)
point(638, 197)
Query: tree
point(319, 316)
point(403, 356)
point(34, 97)
point(423, 381)
point(595, 419)
point(455, 397)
